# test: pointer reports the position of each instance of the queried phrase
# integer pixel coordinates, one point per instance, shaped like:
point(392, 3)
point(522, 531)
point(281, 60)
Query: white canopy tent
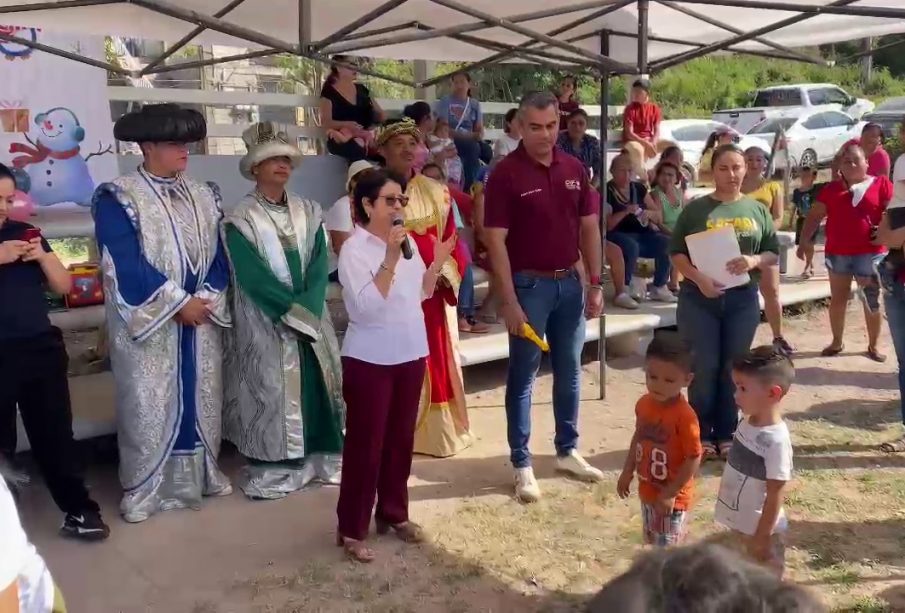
point(561, 33)
point(605, 37)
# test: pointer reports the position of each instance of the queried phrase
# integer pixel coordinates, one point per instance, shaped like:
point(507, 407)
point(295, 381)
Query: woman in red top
point(878, 162)
point(853, 207)
point(568, 100)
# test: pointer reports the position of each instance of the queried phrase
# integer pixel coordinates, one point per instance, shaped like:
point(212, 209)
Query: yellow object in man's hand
point(529, 333)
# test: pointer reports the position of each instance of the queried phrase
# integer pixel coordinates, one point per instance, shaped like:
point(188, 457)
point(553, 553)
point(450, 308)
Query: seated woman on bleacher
point(631, 229)
point(347, 111)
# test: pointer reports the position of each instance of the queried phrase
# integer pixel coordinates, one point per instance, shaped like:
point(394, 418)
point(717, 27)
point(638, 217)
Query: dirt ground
point(492, 554)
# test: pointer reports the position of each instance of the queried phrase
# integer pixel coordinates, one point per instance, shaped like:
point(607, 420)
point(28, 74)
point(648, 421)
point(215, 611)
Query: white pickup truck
point(793, 101)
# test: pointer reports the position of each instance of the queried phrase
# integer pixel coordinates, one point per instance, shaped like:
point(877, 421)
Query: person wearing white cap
point(284, 406)
point(338, 218)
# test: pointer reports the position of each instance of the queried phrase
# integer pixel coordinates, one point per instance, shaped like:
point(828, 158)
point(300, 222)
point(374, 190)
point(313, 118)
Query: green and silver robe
point(284, 408)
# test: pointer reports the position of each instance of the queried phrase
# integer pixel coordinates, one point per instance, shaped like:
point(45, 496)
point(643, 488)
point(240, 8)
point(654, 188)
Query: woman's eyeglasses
point(392, 200)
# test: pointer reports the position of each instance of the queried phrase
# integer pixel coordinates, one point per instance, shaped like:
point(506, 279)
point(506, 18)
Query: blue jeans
point(646, 245)
point(555, 309)
point(894, 299)
point(469, 151)
point(718, 330)
point(466, 293)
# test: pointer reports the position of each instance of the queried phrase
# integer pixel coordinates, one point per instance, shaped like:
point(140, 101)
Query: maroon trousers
point(381, 412)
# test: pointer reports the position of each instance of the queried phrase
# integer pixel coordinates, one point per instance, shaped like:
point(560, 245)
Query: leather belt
point(556, 275)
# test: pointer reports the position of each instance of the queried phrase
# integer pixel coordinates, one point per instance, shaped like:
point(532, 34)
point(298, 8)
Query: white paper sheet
point(711, 250)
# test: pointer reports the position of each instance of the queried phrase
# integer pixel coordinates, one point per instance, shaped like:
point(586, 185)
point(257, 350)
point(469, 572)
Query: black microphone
point(406, 246)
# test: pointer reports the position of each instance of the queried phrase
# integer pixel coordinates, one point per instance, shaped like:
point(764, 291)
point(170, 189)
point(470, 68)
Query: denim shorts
point(863, 265)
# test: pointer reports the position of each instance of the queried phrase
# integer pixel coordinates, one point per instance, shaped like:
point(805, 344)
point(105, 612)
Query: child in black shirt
point(804, 197)
point(33, 366)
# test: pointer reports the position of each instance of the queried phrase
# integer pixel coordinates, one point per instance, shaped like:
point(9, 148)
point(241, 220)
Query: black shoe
point(86, 526)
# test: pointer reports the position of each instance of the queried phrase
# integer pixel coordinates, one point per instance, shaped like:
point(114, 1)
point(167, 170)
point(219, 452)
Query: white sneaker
point(662, 294)
point(625, 301)
point(526, 487)
point(576, 466)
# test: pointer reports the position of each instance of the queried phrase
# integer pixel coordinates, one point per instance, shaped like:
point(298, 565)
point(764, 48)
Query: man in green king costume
point(284, 406)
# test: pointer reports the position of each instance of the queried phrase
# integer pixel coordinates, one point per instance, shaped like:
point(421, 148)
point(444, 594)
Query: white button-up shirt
point(381, 330)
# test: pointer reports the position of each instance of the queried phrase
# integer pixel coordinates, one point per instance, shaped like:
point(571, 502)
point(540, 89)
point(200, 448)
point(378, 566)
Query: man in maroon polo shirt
point(542, 235)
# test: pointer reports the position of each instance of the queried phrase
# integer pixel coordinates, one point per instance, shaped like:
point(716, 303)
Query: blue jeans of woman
point(894, 300)
point(470, 153)
point(718, 330)
point(466, 304)
point(646, 245)
point(554, 308)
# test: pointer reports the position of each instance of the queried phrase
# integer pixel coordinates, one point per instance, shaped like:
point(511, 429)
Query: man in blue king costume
point(165, 277)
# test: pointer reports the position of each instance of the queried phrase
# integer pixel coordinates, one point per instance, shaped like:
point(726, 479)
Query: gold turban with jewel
point(397, 128)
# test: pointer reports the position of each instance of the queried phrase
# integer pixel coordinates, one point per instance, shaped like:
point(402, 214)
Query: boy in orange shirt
point(666, 448)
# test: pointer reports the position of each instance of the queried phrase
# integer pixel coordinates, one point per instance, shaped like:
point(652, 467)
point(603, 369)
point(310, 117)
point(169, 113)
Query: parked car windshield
point(788, 96)
point(772, 126)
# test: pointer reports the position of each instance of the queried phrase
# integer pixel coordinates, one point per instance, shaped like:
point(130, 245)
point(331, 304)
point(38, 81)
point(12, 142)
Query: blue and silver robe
point(160, 245)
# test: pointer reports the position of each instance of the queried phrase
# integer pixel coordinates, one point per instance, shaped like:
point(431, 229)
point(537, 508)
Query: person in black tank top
point(347, 117)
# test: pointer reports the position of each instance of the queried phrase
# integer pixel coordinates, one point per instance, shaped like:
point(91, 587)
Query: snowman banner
point(55, 127)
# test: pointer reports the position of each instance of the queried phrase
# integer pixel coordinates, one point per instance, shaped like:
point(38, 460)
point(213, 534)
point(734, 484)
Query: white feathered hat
point(263, 141)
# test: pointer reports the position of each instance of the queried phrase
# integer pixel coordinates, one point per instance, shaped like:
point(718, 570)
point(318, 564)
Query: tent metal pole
point(305, 24)
point(688, 43)
point(167, 8)
point(601, 180)
point(810, 10)
point(347, 47)
point(75, 57)
point(725, 26)
point(212, 61)
point(49, 6)
point(514, 27)
point(643, 14)
point(365, 19)
point(377, 31)
point(708, 49)
point(529, 54)
point(182, 42)
point(861, 54)
point(533, 43)
point(164, 7)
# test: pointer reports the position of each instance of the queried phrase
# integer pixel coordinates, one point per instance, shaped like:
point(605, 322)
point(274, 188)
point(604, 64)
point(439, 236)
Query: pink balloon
point(23, 207)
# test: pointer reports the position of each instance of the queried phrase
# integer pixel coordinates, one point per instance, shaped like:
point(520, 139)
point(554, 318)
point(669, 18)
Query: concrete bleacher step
point(480, 348)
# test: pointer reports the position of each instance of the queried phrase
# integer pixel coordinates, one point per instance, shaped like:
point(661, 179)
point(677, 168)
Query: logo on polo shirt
point(573, 184)
point(531, 191)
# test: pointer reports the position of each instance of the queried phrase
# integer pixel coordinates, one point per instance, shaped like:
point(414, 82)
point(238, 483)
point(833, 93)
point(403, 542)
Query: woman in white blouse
point(383, 359)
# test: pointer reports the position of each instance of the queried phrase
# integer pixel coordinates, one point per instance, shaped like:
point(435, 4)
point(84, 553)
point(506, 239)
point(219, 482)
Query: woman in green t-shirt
point(719, 323)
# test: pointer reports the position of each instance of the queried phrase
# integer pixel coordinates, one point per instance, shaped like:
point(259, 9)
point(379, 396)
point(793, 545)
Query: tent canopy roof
point(674, 27)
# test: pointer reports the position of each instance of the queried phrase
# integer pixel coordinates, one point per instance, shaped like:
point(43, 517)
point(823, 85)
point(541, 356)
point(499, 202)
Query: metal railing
point(225, 98)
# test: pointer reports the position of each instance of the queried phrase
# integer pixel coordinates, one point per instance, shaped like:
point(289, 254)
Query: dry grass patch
point(492, 554)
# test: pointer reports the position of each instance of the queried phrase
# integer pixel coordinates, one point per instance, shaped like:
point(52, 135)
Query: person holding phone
point(33, 365)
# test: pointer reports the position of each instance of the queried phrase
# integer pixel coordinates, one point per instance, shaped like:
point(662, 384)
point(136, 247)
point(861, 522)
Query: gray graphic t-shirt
point(757, 455)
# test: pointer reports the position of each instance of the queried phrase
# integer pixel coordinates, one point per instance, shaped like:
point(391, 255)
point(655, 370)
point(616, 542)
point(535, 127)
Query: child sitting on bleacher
point(466, 306)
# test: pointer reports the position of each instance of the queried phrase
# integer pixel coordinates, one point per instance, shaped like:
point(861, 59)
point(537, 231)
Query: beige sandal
point(355, 550)
point(407, 531)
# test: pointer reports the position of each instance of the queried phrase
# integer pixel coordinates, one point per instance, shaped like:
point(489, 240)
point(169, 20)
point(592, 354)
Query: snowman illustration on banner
point(53, 160)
